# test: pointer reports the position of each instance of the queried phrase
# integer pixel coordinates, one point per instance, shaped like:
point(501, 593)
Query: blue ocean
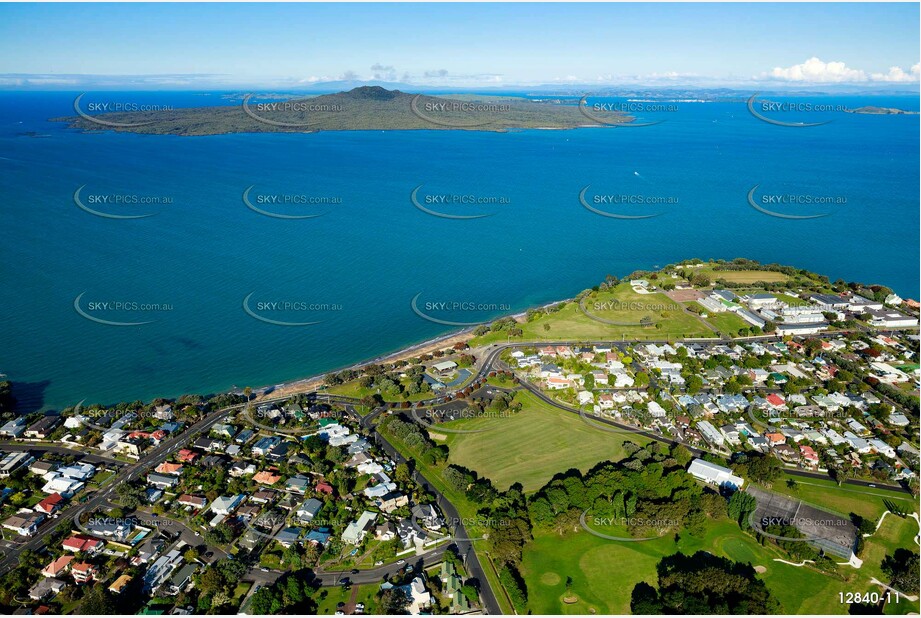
point(202, 291)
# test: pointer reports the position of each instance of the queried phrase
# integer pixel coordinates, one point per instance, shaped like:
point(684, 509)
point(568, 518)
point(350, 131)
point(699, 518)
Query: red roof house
point(82, 542)
point(51, 504)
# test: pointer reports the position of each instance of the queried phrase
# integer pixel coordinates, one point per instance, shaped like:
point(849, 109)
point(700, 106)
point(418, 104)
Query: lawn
point(741, 276)
point(727, 322)
point(793, 301)
point(844, 500)
point(531, 446)
point(354, 389)
point(364, 593)
point(604, 572)
point(620, 304)
point(102, 478)
point(239, 592)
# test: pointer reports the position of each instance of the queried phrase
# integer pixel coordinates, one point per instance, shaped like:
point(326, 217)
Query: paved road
point(41, 447)
point(378, 574)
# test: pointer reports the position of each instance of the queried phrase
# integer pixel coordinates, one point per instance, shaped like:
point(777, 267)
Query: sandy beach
point(306, 385)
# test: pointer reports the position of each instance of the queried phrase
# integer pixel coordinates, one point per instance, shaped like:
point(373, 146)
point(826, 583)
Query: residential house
point(714, 474)
point(13, 461)
point(356, 530)
point(24, 522)
point(309, 509)
point(84, 572)
point(43, 427)
point(163, 481)
point(83, 543)
point(58, 566)
point(809, 457)
point(50, 505)
point(196, 502)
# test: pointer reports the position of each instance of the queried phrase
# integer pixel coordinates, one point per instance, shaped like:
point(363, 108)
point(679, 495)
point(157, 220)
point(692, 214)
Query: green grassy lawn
point(727, 322)
point(895, 533)
point(353, 389)
point(532, 445)
point(239, 593)
point(844, 500)
point(337, 594)
point(620, 304)
point(102, 478)
point(740, 276)
point(604, 572)
point(793, 301)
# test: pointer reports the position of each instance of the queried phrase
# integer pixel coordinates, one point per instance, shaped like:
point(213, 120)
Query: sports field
point(532, 445)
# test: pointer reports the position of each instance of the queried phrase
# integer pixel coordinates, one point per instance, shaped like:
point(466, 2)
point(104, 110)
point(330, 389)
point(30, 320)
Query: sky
point(285, 45)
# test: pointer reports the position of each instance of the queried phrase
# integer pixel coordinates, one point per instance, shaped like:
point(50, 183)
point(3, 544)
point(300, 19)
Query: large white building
point(714, 475)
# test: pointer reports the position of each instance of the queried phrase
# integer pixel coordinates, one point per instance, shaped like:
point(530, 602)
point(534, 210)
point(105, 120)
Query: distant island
point(872, 109)
point(366, 108)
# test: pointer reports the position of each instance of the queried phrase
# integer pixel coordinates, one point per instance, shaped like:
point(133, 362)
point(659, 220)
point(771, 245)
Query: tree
point(393, 601)
point(703, 584)
point(515, 586)
point(741, 505)
point(98, 601)
point(130, 496)
point(902, 567)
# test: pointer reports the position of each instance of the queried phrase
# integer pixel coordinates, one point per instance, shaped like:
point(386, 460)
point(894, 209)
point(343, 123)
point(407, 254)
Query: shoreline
point(302, 385)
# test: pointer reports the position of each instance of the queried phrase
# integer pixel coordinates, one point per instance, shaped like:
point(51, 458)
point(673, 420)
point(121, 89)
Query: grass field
point(727, 322)
point(531, 446)
point(620, 304)
point(604, 572)
point(847, 499)
point(741, 276)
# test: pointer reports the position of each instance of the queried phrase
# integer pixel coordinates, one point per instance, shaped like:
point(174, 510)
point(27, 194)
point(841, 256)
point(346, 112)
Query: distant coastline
point(881, 111)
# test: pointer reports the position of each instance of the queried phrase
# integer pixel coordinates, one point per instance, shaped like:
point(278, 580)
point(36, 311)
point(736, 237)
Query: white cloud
point(896, 74)
point(816, 71)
